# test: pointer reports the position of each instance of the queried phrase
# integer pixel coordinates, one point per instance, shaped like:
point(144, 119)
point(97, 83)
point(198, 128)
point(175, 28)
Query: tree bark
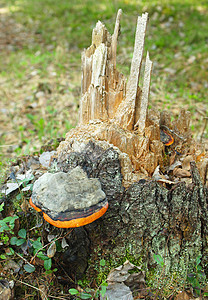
point(118, 141)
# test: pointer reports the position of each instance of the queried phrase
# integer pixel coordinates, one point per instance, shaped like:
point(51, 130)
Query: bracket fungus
point(166, 138)
point(69, 199)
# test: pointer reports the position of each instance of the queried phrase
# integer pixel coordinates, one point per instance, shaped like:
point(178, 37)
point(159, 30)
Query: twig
point(33, 287)
point(24, 259)
point(41, 291)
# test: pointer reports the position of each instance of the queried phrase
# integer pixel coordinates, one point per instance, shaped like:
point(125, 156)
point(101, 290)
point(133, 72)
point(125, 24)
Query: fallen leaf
point(198, 158)
point(43, 292)
point(64, 243)
point(186, 162)
point(117, 291)
point(5, 290)
point(121, 284)
point(174, 165)
point(51, 237)
point(12, 265)
point(161, 178)
point(120, 274)
point(182, 296)
point(51, 250)
point(10, 187)
point(172, 157)
point(181, 173)
point(45, 158)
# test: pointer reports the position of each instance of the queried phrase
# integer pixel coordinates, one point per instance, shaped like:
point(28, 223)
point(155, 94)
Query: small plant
point(6, 225)
point(19, 241)
point(90, 293)
point(162, 283)
point(159, 260)
point(37, 250)
point(80, 295)
point(197, 278)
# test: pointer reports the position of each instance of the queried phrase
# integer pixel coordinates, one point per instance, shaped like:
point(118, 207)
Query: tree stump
point(157, 193)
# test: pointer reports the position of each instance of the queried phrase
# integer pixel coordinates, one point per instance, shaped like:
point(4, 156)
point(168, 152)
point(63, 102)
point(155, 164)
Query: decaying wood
point(109, 109)
point(118, 141)
point(117, 113)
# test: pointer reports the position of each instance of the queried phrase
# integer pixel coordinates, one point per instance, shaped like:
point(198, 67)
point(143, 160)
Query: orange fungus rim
point(74, 222)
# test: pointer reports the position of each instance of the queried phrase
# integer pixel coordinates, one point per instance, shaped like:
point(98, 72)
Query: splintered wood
point(110, 109)
point(116, 114)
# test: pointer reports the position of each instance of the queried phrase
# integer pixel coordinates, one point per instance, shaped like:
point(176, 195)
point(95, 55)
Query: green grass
point(175, 27)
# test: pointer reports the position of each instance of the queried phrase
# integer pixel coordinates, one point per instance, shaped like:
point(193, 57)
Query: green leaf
point(48, 264)
point(42, 256)
point(102, 262)
point(20, 242)
point(31, 186)
point(19, 197)
point(201, 274)
point(103, 290)
point(37, 245)
point(158, 258)
point(73, 291)
point(22, 233)
point(3, 226)
point(2, 256)
point(191, 278)
point(29, 268)
point(1, 206)
point(199, 268)
point(205, 294)
point(11, 252)
point(85, 296)
point(13, 240)
point(198, 260)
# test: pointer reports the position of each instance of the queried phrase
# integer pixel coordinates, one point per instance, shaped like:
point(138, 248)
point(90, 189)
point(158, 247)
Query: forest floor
point(40, 67)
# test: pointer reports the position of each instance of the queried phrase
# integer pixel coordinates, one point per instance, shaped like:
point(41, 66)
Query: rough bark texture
point(143, 219)
point(118, 142)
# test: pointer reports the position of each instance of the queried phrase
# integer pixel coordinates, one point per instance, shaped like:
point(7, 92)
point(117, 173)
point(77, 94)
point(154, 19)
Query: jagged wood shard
point(126, 111)
point(141, 123)
point(115, 37)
